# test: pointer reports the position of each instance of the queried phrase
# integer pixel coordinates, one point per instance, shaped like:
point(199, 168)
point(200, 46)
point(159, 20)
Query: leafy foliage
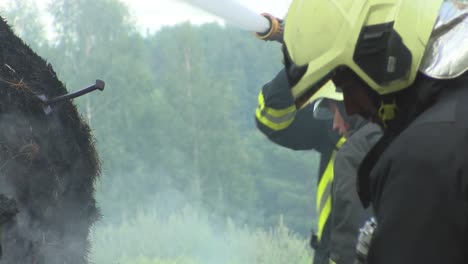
point(190, 236)
point(176, 121)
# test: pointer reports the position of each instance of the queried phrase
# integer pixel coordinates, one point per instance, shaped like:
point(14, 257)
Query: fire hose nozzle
point(275, 32)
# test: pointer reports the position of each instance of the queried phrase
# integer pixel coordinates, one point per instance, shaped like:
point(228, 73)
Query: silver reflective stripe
point(321, 110)
point(278, 120)
point(325, 195)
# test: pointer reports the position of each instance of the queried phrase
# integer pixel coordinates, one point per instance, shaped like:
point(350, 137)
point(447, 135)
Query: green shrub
point(144, 260)
point(190, 237)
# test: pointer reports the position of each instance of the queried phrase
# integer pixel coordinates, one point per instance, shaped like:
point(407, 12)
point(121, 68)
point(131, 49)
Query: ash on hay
point(48, 163)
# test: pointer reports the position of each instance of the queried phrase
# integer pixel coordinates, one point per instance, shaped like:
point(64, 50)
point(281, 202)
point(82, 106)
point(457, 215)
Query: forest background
point(186, 176)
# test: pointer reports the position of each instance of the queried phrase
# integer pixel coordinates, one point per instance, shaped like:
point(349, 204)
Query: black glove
point(313, 242)
point(293, 71)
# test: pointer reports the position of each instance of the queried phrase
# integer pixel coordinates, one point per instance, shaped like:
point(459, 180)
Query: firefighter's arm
point(278, 118)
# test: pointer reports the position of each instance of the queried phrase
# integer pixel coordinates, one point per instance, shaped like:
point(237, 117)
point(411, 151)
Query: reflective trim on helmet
point(449, 40)
point(322, 110)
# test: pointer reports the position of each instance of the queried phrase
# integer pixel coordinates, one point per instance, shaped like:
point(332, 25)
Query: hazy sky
point(152, 14)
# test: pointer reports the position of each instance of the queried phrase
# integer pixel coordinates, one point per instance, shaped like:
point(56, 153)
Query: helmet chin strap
point(342, 110)
point(387, 112)
point(347, 125)
point(344, 115)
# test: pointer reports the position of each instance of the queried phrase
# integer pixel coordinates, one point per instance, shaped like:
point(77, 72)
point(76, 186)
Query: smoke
point(180, 232)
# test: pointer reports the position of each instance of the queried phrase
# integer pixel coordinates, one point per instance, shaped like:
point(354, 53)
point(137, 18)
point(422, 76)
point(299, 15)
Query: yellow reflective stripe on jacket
point(340, 143)
point(323, 199)
point(275, 119)
point(327, 177)
point(323, 202)
point(274, 112)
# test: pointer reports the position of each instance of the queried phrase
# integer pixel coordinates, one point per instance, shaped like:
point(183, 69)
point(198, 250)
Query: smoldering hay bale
point(48, 163)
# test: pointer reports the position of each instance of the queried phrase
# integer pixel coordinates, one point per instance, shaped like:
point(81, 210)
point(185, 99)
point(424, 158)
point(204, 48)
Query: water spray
point(265, 26)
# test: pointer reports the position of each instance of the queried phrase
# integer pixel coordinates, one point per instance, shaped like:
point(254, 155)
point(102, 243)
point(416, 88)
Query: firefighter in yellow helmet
point(321, 124)
point(402, 64)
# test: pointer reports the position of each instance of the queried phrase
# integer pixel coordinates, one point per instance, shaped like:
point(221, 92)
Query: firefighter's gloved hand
point(313, 241)
point(293, 71)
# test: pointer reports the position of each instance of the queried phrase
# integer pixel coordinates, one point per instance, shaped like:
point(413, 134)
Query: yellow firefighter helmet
point(382, 41)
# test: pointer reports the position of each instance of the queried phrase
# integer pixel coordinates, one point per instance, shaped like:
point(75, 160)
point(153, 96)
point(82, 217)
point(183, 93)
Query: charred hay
point(48, 163)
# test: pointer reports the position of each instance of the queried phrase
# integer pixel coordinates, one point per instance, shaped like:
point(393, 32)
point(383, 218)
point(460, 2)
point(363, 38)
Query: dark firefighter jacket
point(348, 214)
point(416, 177)
point(278, 118)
